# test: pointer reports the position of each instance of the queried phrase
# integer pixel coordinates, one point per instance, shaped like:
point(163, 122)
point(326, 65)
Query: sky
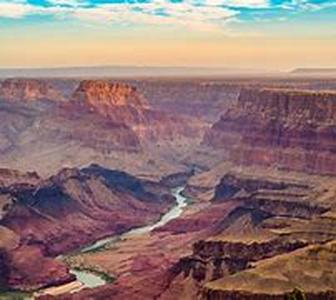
point(256, 34)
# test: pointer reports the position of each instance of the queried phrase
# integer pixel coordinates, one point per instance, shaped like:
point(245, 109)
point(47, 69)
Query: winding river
point(91, 280)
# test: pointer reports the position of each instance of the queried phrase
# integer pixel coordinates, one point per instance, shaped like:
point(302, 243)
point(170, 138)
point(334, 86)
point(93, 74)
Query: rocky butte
point(104, 94)
point(123, 103)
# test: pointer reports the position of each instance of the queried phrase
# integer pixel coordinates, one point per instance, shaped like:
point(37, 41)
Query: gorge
point(227, 192)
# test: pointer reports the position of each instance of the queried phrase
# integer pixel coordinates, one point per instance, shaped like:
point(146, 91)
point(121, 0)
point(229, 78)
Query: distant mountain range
point(315, 71)
point(125, 71)
point(152, 71)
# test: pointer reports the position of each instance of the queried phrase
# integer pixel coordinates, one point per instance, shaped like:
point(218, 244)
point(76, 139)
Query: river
point(89, 279)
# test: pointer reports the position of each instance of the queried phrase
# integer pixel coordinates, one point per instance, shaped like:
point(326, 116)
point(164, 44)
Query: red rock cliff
point(28, 90)
point(286, 129)
point(102, 94)
point(124, 104)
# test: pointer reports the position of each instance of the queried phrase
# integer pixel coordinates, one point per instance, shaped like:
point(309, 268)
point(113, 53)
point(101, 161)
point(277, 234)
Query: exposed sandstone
point(28, 90)
point(309, 269)
point(102, 94)
point(268, 219)
point(124, 104)
point(286, 129)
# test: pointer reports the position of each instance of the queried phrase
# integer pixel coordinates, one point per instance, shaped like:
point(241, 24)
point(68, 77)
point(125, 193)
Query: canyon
point(34, 214)
point(88, 166)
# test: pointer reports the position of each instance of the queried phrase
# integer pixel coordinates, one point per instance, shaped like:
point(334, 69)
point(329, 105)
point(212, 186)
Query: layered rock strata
point(285, 129)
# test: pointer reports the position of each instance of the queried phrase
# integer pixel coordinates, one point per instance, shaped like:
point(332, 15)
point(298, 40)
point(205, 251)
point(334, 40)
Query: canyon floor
point(88, 166)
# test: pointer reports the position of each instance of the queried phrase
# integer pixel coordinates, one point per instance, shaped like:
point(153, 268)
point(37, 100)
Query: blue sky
point(220, 15)
point(214, 25)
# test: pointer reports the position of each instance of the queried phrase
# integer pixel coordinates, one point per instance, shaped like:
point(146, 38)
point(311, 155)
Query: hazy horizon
point(252, 34)
point(128, 71)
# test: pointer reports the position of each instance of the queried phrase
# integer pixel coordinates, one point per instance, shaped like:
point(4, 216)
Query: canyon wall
point(62, 213)
point(265, 246)
point(47, 124)
point(285, 129)
point(122, 103)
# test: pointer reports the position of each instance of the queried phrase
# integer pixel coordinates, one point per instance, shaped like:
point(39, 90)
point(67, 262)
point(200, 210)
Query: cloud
point(240, 3)
point(71, 3)
point(307, 5)
point(196, 14)
point(158, 12)
point(15, 9)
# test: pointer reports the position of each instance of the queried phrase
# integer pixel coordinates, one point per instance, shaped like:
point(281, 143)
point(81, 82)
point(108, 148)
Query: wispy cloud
point(196, 14)
point(15, 9)
point(157, 12)
point(240, 3)
point(21, 8)
point(307, 5)
point(71, 3)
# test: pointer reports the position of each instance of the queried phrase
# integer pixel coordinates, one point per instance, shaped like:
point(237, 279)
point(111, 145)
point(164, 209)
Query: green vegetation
point(297, 294)
point(106, 277)
point(14, 295)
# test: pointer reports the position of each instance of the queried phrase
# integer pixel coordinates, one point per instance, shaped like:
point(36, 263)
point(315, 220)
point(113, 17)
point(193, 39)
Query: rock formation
point(249, 232)
point(69, 210)
point(279, 277)
point(285, 129)
point(124, 104)
point(28, 90)
point(272, 228)
point(102, 94)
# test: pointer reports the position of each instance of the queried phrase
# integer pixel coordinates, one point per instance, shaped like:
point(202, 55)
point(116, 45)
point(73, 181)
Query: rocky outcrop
point(270, 198)
point(212, 260)
point(123, 104)
point(29, 269)
point(102, 95)
point(298, 272)
point(231, 184)
point(69, 210)
point(286, 129)
point(28, 90)
point(269, 218)
point(14, 177)
point(245, 252)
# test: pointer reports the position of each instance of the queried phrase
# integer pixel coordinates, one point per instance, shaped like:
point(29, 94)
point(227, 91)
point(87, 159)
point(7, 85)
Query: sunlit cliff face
point(244, 33)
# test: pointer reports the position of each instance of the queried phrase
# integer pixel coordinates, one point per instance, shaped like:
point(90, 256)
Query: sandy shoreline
point(71, 287)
